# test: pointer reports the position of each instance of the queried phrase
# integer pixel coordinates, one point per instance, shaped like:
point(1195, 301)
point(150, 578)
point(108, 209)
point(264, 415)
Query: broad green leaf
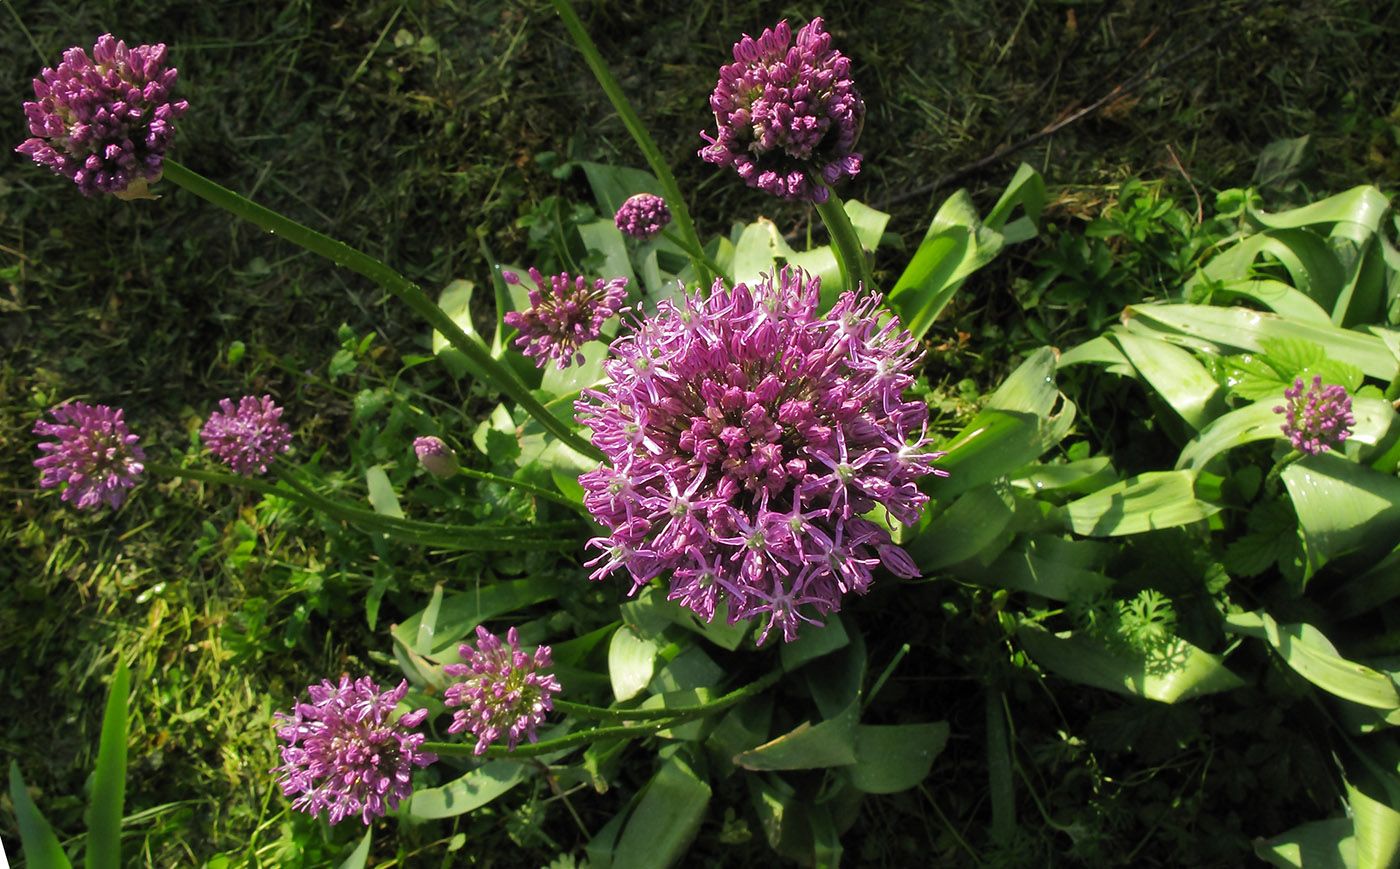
point(757, 251)
point(895, 757)
point(1305, 649)
point(382, 496)
point(955, 245)
point(1367, 591)
point(427, 622)
point(41, 847)
point(969, 528)
point(1078, 477)
point(104, 842)
point(613, 184)
point(1178, 378)
point(826, 841)
point(360, 856)
point(1342, 507)
point(1364, 207)
point(1253, 422)
point(837, 680)
point(808, 746)
point(1099, 349)
point(1325, 844)
point(455, 300)
point(1026, 190)
point(1232, 330)
point(743, 727)
point(691, 668)
point(1147, 502)
point(1278, 297)
point(1178, 672)
point(1377, 830)
point(631, 662)
point(868, 223)
point(666, 818)
point(1310, 262)
point(469, 792)
point(813, 643)
point(575, 377)
point(460, 612)
point(1048, 566)
point(603, 236)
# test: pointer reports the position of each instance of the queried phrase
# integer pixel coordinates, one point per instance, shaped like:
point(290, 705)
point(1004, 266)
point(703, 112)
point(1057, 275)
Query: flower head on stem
point(1317, 418)
point(501, 690)
point(564, 314)
point(95, 454)
point(248, 436)
point(436, 457)
point(104, 121)
point(747, 438)
point(642, 216)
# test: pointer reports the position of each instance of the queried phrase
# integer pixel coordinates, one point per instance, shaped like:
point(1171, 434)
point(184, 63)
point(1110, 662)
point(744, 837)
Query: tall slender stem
point(850, 256)
point(674, 200)
point(408, 292)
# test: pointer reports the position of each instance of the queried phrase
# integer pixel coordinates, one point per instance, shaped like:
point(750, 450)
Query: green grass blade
point(360, 856)
point(41, 847)
point(104, 843)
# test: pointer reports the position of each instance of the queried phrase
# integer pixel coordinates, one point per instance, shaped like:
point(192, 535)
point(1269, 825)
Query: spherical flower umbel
point(436, 457)
point(104, 121)
point(501, 690)
point(642, 216)
point(788, 118)
point(95, 454)
point(1318, 418)
point(747, 438)
point(564, 317)
point(249, 436)
point(345, 755)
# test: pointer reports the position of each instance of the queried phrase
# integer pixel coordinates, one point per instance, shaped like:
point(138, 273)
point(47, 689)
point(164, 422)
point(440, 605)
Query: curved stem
point(534, 749)
point(685, 712)
point(674, 200)
point(405, 290)
point(850, 257)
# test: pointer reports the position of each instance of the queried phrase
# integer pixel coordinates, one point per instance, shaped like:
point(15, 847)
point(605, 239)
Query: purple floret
point(642, 216)
point(564, 317)
point(248, 436)
point(96, 455)
point(501, 691)
point(1316, 419)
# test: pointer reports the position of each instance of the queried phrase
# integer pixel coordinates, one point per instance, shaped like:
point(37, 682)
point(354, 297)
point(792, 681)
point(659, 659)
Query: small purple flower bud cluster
point(104, 122)
point(565, 318)
point(642, 216)
point(502, 691)
point(246, 438)
point(344, 755)
point(1316, 419)
point(95, 454)
point(436, 457)
point(746, 439)
point(787, 116)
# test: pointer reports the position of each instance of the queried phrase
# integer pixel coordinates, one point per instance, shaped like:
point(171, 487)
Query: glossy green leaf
point(955, 245)
point(631, 662)
point(382, 496)
point(613, 184)
point(1077, 477)
point(469, 792)
point(813, 643)
point(1343, 507)
point(602, 236)
point(104, 842)
point(895, 757)
point(1253, 422)
point(460, 612)
point(666, 818)
point(41, 847)
point(1048, 566)
point(1181, 381)
point(455, 300)
point(427, 622)
point(1306, 256)
point(1278, 297)
point(1325, 844)
point(1147, 502)
point(1377, 827)
point(1364, 207)
point(808, 746)
point(1025, 191)
point(968, 528)
point(1178, 672)
point(1312, 656)
point(360, 856)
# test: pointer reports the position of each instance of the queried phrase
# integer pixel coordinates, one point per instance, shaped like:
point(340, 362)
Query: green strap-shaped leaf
point(955, 245)
point(666, 818)
point(1325, 844)
point(631, 662)
point(1310, 654)
point(459, 614)
point(969, 528)
point(360, 856)
point(1147, 502)
point(1363, 206)
point(1377, 827)
point(808, 746)
point(1278, 297)
point(469, 792)
point(1343, 507)
point(1178, 378)
point(1050, 567)
point(41, 847)
point(1178, 672)
point(104, 843)
point(895, 757)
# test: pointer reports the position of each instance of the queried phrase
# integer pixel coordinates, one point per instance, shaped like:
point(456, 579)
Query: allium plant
point(788, 117)
point(563, 318)
point(346, 754)
point(104, 121)
point(747, 438)
point(96, 455)
point(248, 436)
point(436, 457)
point(642, 216)
point(501, 691)
point(1318, 418)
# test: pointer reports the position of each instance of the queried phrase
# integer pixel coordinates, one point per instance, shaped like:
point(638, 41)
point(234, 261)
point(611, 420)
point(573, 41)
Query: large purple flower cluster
point(104, 121)
point(501, 690)
point(787, 116)
point(564, 317)
point(95, 454)
point(344, 754)
point(248, 436)
point(747, 438)
point(1317, 418)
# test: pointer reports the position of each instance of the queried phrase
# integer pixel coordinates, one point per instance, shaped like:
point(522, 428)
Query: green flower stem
point(674, 200)
point(685, 712)
point(548, 746)
point(408, 292)
point(1272, 478)
point(850, 257)
point(695, 253)
point(459, 537)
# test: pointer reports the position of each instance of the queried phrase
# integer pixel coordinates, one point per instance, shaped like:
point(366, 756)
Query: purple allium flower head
point(249, 436)
point(436, 457)
point(104, 121)
point(566, 316)
point(502, 691)
point(787, 116)
point(95, 454)
point(642, 216)
point(1318, 418)
point(746, 438)
point(344, 754)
